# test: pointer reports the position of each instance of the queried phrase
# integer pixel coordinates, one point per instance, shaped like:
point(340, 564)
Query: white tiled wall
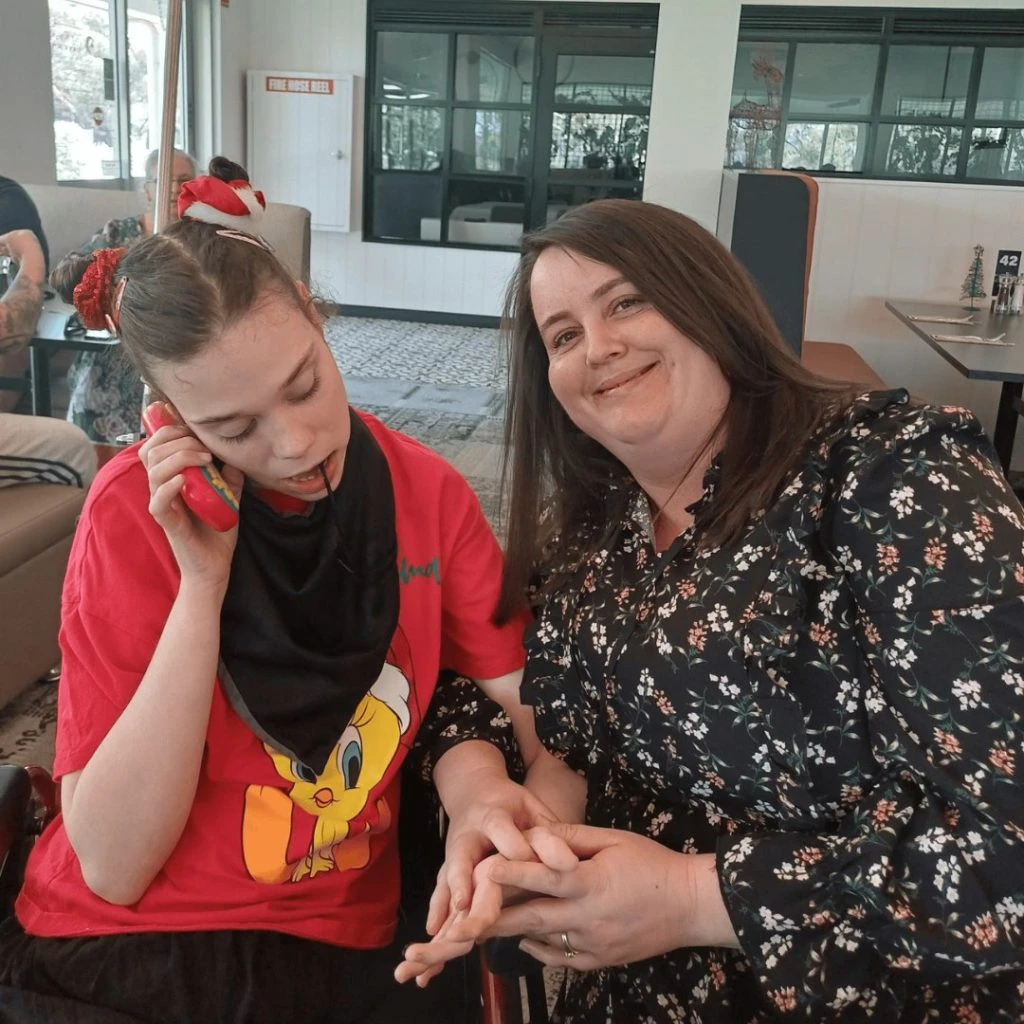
point(877, 240)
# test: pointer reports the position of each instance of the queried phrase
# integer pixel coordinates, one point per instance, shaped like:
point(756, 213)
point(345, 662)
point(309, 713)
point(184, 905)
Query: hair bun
point(66, 276)
point(233, 204)
point(227, 170)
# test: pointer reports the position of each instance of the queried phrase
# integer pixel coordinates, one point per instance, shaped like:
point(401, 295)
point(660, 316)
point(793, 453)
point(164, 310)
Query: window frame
point(186, 83)
point(887, 39)
point(489, 19)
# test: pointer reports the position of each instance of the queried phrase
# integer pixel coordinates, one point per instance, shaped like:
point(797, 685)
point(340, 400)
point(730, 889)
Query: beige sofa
point(71, 216)
point(37, 522)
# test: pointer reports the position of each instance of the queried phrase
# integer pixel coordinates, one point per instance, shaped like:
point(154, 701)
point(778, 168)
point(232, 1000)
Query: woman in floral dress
point(105, 397)
point(780, 633)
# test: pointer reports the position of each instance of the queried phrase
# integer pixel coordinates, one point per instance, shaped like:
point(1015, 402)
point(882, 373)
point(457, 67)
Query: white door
point(299, 142)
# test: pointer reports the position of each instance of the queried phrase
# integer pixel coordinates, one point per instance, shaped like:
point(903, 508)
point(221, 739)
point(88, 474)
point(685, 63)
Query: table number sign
point(1007, 262)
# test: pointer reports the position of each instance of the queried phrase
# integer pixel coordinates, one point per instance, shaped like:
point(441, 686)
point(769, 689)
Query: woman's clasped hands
point(625, 898)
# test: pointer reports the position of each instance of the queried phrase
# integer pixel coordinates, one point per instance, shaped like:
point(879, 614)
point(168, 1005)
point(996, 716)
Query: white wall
point(26, 97)
point(693, 68)
point(692, 81)
point(233, 25)
point(878, 240)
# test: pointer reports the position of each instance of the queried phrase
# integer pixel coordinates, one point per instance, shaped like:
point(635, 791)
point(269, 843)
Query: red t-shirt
point(263, 848)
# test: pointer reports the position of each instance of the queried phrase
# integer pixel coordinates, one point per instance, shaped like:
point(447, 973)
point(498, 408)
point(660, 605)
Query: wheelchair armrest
point(15, 792)
point(504, 957)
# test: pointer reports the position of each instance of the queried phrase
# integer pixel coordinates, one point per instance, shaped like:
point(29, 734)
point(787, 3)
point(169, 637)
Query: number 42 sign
point(1007, 262)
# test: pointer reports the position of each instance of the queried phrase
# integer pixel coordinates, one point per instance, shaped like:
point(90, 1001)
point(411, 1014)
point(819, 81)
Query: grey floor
point(443, 385)
point(457, 370)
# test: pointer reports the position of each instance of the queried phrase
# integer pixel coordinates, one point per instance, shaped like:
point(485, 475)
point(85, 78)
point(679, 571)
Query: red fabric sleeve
point(472, 565)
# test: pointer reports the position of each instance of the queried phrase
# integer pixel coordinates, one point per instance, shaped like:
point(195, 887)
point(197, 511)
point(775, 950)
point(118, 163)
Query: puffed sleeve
point(922, 882)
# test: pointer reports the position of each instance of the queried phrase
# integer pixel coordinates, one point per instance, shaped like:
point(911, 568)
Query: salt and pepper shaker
point(1009, 294)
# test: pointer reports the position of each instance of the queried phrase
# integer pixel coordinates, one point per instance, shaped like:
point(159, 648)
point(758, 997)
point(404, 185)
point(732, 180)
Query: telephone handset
point(205, 493)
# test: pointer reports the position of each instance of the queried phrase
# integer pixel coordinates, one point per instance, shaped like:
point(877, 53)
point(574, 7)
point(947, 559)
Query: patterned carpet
point(470, 442)
point(27, 727)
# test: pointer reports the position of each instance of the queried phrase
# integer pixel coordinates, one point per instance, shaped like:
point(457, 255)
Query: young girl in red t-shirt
point(237, 703)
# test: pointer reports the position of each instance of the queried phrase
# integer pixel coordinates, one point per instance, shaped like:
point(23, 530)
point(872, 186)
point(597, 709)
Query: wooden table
point(978, 362)
point(49, 338)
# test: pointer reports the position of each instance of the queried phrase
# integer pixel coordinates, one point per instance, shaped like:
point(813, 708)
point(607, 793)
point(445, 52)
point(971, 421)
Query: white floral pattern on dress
point(834, 704)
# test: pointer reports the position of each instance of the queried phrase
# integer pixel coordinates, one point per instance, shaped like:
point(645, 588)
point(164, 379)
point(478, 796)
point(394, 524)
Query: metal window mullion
point(544, 97)
point(784, 36)
point(871, 147)
point(122, 92)
point(189, 78)
point(372, 119)
point(530, 187)
point(633, 109)
point(446, 151)
point(973, 89)
point(787, 92)
point(940, 122)
point(472, 105)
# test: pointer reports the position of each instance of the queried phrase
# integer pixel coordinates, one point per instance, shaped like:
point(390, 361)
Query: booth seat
point(37, 523)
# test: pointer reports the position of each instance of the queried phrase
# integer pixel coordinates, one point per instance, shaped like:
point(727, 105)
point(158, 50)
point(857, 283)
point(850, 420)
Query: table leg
point(1006, 422)
point(41, 404)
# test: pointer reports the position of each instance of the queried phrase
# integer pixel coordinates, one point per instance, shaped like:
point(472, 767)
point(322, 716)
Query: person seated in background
point(780, 635)
point(105, 393)
point(33, 449)
point(17, 211)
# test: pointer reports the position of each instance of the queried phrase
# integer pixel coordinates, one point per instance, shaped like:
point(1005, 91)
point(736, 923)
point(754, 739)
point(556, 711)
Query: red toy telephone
point(205, 493)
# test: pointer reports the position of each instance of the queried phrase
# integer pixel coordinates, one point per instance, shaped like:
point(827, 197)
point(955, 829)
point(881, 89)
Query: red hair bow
point(94, 292)
point(231, 204)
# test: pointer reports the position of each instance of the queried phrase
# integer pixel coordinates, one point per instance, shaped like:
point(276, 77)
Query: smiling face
point(623, 374)
point(266, 397)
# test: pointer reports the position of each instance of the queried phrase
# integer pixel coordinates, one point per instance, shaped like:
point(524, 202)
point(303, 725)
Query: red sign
point(314, 86)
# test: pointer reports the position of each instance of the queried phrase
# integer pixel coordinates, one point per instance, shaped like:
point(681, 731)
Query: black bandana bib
point(311, 607)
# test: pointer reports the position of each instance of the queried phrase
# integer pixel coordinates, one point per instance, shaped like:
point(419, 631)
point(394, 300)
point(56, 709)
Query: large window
point(931, 95)
point(107, 59)
point(485, 120)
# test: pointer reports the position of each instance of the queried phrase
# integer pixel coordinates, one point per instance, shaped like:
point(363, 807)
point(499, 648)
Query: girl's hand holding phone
point(203, 554)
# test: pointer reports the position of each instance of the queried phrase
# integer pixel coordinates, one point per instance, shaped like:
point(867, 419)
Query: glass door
point(593, 121)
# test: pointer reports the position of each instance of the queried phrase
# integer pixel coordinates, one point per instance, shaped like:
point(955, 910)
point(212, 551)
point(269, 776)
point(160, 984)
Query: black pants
point(248, 977)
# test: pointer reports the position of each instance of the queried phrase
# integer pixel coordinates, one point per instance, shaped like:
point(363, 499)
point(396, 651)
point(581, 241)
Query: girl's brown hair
point(557, 482)
point(184, 286)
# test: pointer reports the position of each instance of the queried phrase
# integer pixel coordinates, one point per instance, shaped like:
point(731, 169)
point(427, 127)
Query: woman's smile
point(623, 381)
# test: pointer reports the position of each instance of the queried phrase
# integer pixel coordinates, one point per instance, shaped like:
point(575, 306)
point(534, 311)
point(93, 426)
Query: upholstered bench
point(839, 361)
point(37, 522)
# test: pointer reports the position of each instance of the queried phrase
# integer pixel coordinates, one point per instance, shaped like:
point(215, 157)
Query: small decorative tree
point(973, 287)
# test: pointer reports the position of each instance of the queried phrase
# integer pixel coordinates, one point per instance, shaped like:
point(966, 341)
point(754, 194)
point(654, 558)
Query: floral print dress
point(105, 390)
point(834, 704)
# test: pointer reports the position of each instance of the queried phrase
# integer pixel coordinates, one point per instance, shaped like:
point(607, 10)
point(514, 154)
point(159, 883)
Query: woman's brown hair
point(184, 286)
point(556, 481)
